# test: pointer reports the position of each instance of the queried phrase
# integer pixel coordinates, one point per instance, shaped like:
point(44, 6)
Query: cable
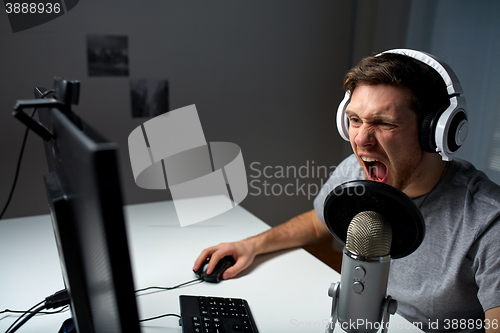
point(157, 317)
point(61, 299)
point(18, 168)
point(26, 312)
point(58, 299)
point(28, 317)
point(170, 288)
point(166, 288)
point(65, 308)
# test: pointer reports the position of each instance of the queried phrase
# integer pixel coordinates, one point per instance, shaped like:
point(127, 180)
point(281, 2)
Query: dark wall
point(265, 75)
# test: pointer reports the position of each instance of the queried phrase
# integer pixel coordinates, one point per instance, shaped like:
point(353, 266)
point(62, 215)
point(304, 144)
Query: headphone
point(442, 131)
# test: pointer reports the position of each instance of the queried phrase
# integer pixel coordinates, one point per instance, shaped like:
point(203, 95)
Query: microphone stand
point(333, 292)
point(389, 307)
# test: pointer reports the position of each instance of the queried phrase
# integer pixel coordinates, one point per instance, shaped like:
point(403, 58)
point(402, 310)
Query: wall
point(265, 75)
point(470, 45)
point(378, 25)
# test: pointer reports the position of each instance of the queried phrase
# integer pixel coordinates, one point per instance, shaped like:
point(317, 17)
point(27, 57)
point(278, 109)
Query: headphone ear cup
point(457, 132)
point(342, 119)
point(426, 133)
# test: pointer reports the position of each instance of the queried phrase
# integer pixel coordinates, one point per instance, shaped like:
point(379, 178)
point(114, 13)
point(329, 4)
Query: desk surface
point(287, 291)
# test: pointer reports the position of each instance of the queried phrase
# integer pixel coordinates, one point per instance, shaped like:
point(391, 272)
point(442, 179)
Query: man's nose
point(364, 136)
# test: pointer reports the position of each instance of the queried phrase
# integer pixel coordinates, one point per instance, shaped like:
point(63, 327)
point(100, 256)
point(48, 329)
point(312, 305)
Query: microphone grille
point(369, 235)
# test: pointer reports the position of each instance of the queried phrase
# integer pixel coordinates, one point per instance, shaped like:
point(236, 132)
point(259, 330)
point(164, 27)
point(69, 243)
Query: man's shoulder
point(471, 197)
point(476, 183)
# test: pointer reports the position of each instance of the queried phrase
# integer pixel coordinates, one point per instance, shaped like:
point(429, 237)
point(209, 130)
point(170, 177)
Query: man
point(452, 278)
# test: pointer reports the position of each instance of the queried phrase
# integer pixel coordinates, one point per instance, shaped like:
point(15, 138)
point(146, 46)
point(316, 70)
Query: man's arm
point(492, 317)
point(304, 229)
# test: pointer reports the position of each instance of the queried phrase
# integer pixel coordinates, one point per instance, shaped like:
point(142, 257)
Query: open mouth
point(375, 169)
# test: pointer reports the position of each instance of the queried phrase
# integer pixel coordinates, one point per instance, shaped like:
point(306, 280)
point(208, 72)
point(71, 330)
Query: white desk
point(287, 291)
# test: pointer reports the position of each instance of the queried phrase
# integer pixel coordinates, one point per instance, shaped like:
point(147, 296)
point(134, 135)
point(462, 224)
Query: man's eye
point(387, 125)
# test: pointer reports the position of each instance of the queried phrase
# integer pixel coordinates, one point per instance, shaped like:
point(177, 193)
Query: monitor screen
point(85, 199)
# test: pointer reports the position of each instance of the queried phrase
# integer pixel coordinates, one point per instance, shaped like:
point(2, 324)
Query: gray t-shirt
point(454, 275)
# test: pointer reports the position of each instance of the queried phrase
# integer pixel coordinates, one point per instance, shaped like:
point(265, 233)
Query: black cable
point(20, 317)
point(18, 168)
point(63, 309)
point(58, 299)
point(28, 317)
point(170, 288)
point(157, 317)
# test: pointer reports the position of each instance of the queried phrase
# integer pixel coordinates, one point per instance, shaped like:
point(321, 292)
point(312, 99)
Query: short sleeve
point(486, 263)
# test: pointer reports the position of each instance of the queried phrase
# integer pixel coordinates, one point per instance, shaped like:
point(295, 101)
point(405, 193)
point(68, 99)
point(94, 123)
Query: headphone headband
point(453, 85)
point(447, 129)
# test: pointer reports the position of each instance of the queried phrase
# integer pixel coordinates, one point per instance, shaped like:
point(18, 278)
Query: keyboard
point(201, 314)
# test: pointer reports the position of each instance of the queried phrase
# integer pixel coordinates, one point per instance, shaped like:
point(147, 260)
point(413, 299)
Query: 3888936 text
point(455, 324)
point(32, 8)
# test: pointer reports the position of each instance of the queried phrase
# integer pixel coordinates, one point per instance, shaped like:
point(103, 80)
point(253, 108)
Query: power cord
point(199, 280)
point(20, 159)
point(59, 299)
point(161, 316)
point(41, 312)
point(25, 313)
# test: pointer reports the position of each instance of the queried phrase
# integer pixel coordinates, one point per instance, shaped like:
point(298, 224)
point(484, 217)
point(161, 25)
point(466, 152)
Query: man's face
point(384, 136)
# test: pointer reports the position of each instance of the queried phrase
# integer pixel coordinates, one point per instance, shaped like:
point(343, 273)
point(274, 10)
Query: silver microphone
point(360, 303)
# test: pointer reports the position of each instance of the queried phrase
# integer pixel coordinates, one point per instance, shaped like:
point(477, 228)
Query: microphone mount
point(388, 308)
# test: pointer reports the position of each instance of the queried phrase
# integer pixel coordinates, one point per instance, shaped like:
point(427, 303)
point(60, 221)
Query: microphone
point(377, 223)
point(362, 305)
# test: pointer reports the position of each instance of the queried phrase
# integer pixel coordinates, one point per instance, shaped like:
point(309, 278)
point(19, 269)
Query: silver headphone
point(441, 132)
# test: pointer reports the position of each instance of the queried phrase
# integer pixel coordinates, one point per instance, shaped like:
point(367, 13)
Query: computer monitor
point(85, 199)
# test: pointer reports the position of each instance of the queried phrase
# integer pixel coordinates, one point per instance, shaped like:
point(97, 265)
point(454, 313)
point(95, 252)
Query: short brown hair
point(427, 89)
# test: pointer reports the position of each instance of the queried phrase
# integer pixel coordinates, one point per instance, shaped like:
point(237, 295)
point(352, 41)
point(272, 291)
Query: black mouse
point(216, 275)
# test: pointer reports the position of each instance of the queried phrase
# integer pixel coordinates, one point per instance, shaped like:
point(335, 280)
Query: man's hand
point(304, 229)
point(243, 253)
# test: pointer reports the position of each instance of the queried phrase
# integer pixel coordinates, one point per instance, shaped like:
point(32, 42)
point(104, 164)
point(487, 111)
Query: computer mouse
point(216, 275)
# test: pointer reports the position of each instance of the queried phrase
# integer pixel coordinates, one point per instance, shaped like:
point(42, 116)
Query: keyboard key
point(216, 315)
